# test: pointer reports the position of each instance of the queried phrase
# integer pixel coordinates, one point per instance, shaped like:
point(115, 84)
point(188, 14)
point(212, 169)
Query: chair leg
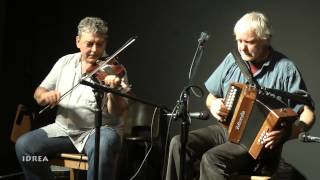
point(72, 174)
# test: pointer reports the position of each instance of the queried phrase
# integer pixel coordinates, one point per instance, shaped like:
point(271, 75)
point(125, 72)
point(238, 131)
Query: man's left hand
point(112, 80)
point(275, 138)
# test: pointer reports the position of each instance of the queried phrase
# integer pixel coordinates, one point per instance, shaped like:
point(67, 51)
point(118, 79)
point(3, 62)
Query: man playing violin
point(73, 129)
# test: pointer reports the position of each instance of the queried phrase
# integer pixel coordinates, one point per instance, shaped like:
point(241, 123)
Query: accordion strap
point(244, 68)
point(248, 75)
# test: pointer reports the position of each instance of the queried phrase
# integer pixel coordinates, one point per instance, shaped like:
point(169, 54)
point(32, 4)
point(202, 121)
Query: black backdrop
point(35, 34)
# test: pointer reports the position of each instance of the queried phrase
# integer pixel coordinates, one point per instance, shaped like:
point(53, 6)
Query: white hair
point(254, 21)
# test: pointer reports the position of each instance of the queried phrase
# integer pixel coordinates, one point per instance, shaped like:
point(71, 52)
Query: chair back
point(140, 118)
point(22, 123)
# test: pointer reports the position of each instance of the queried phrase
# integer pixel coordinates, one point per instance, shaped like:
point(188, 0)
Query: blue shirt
point(277, 72)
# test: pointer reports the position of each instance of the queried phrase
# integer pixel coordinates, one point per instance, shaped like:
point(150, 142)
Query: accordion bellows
point(252, 114)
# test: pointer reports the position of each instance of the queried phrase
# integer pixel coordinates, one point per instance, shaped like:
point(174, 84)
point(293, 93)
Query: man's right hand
point(218, 109)
point(45, 97)
point(50, 97)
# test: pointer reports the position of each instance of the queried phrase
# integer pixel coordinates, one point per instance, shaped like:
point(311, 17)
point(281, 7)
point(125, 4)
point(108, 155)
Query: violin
point(113, 67)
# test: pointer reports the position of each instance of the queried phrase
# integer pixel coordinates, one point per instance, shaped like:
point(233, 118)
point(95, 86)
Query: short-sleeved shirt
point(277, 72)
point(76, 112)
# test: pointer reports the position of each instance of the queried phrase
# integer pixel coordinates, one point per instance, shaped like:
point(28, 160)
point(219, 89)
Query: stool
point(71, 161)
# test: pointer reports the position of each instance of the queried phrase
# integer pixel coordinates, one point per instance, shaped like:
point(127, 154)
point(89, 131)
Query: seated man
point(218, 157)
point(74, 127)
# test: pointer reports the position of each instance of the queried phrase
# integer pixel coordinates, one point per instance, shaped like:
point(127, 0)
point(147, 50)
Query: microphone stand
point(98, 121)
point(99, 96)
point(184, 105)
point(103, 88)
point(99, 90)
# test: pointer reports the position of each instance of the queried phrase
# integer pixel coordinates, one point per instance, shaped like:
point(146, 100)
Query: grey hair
point(93, 25)
point(254, 21)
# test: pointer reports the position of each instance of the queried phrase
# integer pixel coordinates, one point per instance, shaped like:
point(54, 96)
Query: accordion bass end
point(250, 118)
point(277, 118)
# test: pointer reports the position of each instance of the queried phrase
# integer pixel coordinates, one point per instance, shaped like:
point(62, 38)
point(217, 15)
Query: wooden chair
point(138, 123)
point(22, 124)
point(72, 161)
point(248, 177)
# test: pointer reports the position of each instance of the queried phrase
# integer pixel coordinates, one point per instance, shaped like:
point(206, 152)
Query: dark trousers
point(209, 153)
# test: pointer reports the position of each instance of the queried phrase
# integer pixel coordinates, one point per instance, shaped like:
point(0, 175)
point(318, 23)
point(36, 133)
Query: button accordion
point(251, 114)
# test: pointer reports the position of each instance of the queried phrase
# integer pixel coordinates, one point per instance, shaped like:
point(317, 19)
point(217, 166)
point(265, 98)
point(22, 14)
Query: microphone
point(202, 115)
point(204, 36)
point(304, 137)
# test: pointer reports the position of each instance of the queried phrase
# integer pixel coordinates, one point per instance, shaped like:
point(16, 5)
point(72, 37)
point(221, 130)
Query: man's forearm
point(304, 123)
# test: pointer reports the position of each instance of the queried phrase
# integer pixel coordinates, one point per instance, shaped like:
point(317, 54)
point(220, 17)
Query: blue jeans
point(33, 149)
